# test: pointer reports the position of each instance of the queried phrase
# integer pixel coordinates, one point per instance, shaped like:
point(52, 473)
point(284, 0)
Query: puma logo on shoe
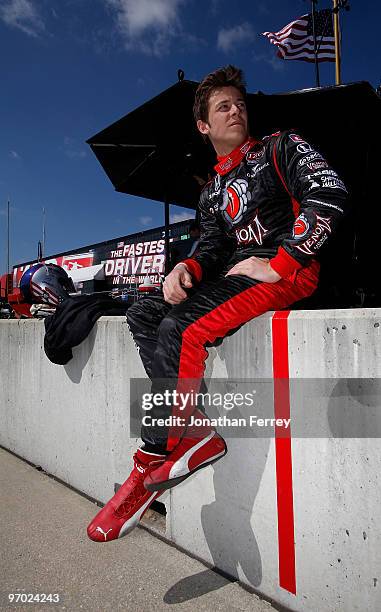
point(101, 531)
point(140, 469)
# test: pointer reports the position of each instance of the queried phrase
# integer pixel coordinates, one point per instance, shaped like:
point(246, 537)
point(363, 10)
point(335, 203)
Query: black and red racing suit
point(276, 198)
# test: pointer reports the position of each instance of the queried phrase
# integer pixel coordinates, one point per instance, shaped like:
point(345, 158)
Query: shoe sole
point(135, 519)
point(168, 484)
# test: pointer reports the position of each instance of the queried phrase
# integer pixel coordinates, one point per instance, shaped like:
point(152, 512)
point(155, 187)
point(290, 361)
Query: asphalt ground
point(45, 549)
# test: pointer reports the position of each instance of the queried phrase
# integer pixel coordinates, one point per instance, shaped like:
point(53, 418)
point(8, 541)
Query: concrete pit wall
point(298, 520)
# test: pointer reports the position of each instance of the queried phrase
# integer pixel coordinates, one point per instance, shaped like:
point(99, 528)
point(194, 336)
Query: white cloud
point(145, 220)
point(14, 155)
point(229, 38)
point(71, 150)
point(147, 25)
point(22, 14)
point(183, 216)
point(276, 64)
point(71, 154)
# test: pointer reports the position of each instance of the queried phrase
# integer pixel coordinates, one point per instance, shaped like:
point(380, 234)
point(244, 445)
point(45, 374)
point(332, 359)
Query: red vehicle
point(13, 297)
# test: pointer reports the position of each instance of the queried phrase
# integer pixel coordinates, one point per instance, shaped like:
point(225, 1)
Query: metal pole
point(8, 252)
point(43, 234)
point(315, 45)
point(336, 25)
point(166, 236)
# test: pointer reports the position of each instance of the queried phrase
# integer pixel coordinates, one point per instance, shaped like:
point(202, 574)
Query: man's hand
point(256, 268)
point(174, 283)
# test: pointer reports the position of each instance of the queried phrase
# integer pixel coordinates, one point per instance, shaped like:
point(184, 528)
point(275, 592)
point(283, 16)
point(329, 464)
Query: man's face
point(227, 120)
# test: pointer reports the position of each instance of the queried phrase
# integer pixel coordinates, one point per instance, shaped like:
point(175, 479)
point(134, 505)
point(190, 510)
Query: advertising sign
point(127, 260)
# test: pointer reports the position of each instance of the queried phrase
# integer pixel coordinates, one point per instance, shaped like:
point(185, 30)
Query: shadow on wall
point(354, 408)
point(337, 408)
point(81, 355)
point(226, 522)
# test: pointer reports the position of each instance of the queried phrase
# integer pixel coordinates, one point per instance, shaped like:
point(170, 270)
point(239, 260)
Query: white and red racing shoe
point(123, 512)
point(200, 446)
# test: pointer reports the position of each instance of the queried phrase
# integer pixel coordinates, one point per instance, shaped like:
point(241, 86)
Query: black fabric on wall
point(73, 321)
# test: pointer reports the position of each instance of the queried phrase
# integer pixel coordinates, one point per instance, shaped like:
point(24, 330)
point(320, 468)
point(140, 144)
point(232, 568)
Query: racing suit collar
point(227, 162)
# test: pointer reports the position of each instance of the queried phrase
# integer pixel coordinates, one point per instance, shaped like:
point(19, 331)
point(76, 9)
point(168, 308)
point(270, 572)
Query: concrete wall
point(73, 420)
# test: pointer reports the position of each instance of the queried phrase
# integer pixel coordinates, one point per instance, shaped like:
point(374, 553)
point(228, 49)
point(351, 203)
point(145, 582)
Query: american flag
point(295, 41)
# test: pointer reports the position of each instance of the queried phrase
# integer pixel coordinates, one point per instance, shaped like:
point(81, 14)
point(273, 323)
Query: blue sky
point(69, 68)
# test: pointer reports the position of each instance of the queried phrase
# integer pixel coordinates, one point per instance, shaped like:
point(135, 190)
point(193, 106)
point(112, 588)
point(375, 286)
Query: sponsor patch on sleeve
point(301, 227)
point(253, 156)
point(296, 138)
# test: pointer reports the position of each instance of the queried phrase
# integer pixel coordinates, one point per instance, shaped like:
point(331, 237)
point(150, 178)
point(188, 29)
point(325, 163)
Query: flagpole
point(336, 25)
point(315, 45)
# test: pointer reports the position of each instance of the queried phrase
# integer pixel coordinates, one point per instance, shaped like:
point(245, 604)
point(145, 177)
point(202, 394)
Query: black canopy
point(156, 151)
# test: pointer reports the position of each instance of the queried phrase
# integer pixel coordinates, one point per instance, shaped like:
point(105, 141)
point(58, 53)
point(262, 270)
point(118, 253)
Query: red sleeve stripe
point(284, 264)
point(194, 268)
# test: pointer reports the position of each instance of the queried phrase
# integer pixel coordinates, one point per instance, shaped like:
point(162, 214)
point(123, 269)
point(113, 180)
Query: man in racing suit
point(271, 206)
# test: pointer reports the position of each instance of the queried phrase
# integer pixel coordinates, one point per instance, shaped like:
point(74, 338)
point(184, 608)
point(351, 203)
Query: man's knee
point(144, 312)
point(169, 326)
point(178, 328)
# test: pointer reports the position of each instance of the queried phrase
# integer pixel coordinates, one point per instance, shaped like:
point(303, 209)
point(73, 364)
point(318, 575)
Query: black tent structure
point(156, 152)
